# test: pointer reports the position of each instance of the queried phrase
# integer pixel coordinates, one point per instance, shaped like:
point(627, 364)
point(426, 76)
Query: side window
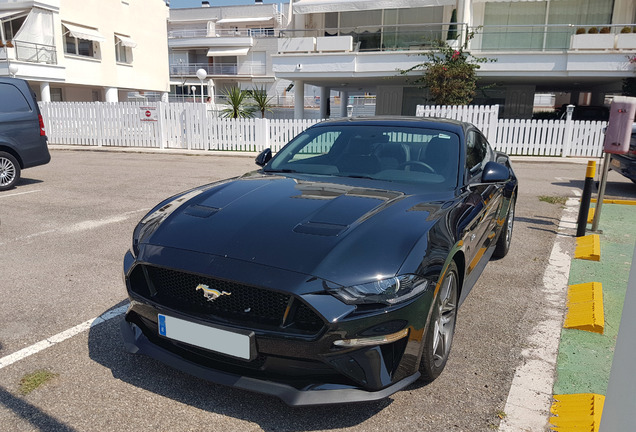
point(476, 151)
point(12, 100)
point(319, 145)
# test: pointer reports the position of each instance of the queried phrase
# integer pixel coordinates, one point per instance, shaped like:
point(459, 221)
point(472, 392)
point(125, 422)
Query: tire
point(439, 337)
point(9, 171)
point(505, 237)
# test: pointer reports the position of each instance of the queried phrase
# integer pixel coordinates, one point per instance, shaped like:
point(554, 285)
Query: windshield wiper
point(358, 176)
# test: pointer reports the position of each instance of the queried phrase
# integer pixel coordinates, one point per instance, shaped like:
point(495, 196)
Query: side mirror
point(495, 172)
point(263, 157)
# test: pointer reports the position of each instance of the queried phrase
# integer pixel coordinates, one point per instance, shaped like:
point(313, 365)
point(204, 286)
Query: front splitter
point(136, 342)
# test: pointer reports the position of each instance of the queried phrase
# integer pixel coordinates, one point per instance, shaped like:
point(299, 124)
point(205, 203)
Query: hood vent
point(200, 211)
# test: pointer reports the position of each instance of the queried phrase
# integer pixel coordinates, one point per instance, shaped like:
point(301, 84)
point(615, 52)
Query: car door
point(483, 203)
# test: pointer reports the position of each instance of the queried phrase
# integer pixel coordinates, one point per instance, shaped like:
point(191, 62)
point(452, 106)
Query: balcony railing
point(389, 38)
point(220, 32)
point(34, 52)
point(553, 37)
point(244, 68)
point(524, 38)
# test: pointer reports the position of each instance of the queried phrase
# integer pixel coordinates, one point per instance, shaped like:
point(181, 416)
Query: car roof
point(420, 122)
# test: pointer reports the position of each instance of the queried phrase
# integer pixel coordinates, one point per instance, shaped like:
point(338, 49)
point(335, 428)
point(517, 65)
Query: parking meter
point(619, 128)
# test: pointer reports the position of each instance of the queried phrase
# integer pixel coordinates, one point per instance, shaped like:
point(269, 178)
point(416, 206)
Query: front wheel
point(505, 237)
point(9, 171)
point(439, 337)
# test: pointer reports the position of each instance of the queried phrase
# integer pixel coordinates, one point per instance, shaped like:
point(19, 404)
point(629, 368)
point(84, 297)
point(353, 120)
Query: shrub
point(449, 73)
point(605, 30)
point(580, 30)
point(592, 30)
point(626, 30)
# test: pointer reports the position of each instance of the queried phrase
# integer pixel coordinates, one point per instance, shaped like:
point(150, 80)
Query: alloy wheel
point(445, 323)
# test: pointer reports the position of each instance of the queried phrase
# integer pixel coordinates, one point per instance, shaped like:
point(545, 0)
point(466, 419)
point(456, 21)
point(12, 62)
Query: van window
point(12, 99)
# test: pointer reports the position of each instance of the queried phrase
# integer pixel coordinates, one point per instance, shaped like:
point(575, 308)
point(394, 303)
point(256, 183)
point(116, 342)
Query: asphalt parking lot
point(64, 231)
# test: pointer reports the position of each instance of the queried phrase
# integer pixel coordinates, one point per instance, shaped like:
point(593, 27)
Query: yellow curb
point(588, 248)
point(577, 412)
point(615, 201)
point(585, 307)
point(590, 215)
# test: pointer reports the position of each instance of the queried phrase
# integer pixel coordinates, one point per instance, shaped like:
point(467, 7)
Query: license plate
point(203, 336)
point(615, 163)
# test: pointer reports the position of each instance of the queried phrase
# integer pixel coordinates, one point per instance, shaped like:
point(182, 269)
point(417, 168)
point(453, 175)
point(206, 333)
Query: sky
point(197, 3)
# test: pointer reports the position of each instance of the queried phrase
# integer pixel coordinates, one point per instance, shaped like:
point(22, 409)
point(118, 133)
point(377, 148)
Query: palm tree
point(262, 102)
point(238, 108)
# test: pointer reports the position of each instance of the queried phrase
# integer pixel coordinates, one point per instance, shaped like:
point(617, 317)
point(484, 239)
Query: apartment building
point(232, 45)
point(576, 49)
point(86, 50)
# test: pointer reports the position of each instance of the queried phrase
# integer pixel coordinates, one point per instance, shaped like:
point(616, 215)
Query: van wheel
point(9, 171)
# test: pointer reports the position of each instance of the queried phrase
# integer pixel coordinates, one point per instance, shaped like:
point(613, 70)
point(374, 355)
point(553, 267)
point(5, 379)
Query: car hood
point(346, 232)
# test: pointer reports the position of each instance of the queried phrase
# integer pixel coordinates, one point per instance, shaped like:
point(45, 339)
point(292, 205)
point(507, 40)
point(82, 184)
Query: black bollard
point(581, 224)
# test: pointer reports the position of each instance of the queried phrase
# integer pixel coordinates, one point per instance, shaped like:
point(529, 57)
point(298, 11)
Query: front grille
point(245, 305)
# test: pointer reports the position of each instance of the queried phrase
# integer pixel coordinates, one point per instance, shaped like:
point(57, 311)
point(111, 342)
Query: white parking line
point(528, 405)
point(19, 193)
point(80, 226)
point(62, 336)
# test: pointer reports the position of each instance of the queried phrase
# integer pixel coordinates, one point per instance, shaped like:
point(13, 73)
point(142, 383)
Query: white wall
point(143, 21)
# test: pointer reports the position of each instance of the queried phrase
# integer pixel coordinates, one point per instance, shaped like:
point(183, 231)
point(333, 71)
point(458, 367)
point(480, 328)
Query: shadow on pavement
point(106, 348)
point(547, 224)
point(39, 419)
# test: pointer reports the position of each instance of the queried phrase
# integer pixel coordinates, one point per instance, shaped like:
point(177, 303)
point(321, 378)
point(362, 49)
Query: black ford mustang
point(332, 274)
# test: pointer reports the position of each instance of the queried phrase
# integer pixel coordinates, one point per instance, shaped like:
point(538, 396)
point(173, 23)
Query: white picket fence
point(527, 137)
point(191, 126)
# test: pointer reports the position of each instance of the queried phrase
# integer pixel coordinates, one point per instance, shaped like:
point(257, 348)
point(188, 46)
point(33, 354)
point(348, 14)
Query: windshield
point(390, 153)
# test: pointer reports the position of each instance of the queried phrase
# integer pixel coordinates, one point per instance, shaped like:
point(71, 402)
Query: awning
point(230, 51)
point(81, 32)
point(125, 41)
point(322, 6)
point(10, 14)
point(244, 20)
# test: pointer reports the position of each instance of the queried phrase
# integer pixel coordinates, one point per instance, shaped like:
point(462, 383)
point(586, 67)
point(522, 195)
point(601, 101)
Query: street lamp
point(194, 92)
point(202, 74)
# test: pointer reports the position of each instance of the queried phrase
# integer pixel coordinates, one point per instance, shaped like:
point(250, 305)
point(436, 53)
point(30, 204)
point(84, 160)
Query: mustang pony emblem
point(211, 294)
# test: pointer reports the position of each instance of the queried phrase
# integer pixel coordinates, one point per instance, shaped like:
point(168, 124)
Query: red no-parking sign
point(148, 113)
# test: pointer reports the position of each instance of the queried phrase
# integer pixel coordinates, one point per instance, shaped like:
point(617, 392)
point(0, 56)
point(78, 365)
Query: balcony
point(332, 56)
point(32, 59)
point(243, 68)
point(218, 32)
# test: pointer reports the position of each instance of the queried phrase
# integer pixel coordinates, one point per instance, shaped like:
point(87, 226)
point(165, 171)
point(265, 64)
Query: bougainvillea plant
point(449, 73)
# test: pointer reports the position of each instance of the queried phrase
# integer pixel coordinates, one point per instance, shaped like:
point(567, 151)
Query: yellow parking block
point(588, 248)
point(590, 215)
point(577, 412)
point(585, 307)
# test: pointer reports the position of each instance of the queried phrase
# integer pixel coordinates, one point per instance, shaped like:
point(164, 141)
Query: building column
point(112, 94)
point(324, 102)
point(344, 101)
point(299, 99)
point(45, 92)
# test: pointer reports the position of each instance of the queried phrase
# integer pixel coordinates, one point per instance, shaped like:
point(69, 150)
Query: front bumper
point(294, 360)
point(136, 342)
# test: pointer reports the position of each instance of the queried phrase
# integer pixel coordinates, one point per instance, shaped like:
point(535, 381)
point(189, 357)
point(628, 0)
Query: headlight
point(156, 216)
point(384, 291)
